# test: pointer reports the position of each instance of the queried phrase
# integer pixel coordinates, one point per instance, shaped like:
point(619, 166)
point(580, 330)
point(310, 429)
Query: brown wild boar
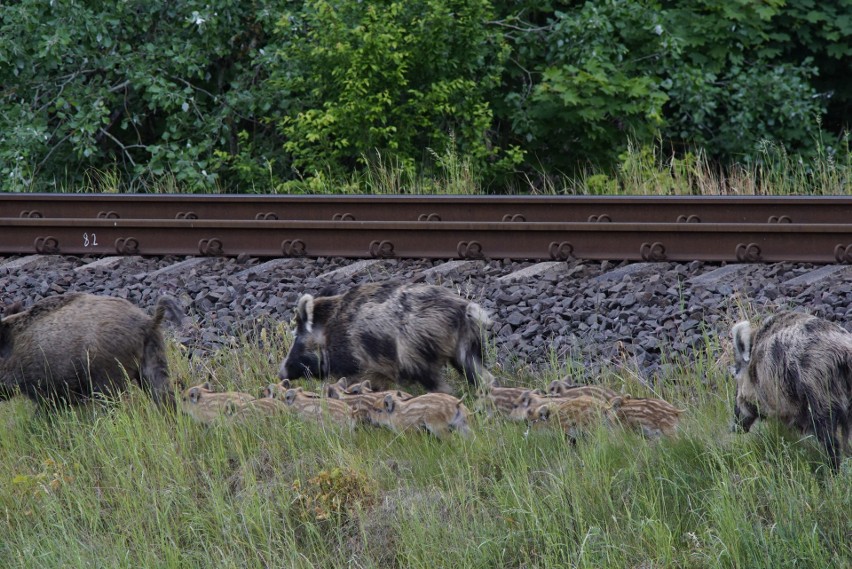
point(798, 369)
point(362, 402)
point(438, 413)
point(492, 398)
point(364, 387)
point(528, 399)
point(70, 347)
point(277, 390)
point(575, 415)
point(653, 417)
point(563, 388)
point(319, 409)
point(390, 332)
point(264, 406)
point(207, 406)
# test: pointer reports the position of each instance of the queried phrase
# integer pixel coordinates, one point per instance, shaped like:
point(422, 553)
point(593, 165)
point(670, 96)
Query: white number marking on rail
point(87, 242)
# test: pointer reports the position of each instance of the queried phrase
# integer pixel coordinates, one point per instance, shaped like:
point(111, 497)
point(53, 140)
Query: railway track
point(651, 229)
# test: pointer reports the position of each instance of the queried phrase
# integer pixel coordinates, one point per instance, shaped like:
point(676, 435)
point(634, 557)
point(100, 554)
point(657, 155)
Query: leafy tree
point(588, 81)
point(397, 77)
point(145, 88)
point(249, 96)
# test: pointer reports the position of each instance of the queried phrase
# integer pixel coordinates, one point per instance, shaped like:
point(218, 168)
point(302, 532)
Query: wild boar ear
point(194, 395)
point(230, 408)
point(284, 384)
point(616, 402)
point(267, 392)
point(741, 333)
point(390, 403)
point(305, 312)
point(331, 392)
point(544, 412)
point(526, 396)
point(366, 386)
point(290, 396)
point(206, 385)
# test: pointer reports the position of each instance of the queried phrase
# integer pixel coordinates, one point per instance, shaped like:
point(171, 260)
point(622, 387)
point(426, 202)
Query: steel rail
point(732, 242)
point(625, 209)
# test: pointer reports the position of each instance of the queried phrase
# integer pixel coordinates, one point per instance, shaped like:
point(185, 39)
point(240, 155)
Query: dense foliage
point(271, 94)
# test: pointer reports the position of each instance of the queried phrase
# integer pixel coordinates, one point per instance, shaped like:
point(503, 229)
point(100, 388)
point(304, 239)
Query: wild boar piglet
point(207, 406)
point(564, 388)
point(575, 415)
point(319, 409)
point(438, 413)
point(653, 417)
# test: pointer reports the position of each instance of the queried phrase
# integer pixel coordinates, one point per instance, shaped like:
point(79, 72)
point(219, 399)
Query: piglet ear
point(284, 384)
point(194, 395)
point(290, 396)
point(331, 392)
point(544, 412)
point(366, 386)
point(206, 385)
point(390, 403)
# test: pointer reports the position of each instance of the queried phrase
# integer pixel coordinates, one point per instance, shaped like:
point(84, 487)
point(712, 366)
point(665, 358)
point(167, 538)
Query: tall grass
point(642, 170)
point(655, 170)
point(122, 484)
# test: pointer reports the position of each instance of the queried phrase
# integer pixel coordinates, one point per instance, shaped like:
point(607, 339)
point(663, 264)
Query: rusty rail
point(732, 242)
point(576, 209)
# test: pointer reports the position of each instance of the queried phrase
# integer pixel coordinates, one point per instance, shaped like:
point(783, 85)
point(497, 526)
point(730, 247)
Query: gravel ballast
point(591, 313)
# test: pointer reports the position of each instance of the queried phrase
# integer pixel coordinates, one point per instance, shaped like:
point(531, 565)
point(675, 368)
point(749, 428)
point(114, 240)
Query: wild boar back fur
point(797, 368)
point(390, 332)
point(69, 347)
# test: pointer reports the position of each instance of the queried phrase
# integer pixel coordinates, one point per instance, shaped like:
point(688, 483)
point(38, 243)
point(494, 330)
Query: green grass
point(124, 485)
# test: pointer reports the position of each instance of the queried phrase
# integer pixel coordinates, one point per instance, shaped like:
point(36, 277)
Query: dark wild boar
point(798, 369)
point(388, 332)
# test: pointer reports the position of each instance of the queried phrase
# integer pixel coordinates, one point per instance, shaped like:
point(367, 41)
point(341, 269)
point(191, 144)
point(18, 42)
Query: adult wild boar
point(797, 368)
point(389, 332)
point(69, 347)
